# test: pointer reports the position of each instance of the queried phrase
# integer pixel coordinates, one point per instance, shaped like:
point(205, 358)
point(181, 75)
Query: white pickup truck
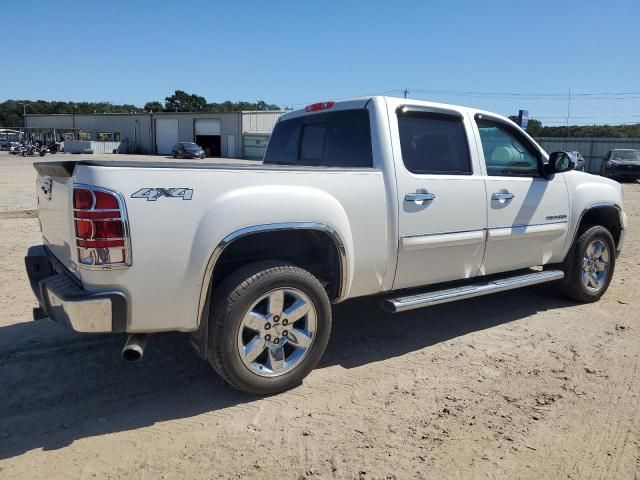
point(415, 202)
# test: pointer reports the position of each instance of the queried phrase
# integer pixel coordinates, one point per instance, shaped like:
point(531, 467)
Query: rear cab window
point(340, 138)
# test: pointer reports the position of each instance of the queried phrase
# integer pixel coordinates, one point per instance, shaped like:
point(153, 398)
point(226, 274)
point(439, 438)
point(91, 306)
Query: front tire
point(269, 327)
point(589, 265)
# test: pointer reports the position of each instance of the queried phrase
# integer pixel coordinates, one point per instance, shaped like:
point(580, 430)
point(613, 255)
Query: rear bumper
point(63, 299)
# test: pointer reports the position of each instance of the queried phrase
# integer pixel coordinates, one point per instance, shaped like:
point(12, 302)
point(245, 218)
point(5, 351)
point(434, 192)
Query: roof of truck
point(361, 102)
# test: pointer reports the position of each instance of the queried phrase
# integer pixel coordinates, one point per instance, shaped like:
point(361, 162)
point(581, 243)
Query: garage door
point(254, 145)
point(166, 134)
point(207, 126)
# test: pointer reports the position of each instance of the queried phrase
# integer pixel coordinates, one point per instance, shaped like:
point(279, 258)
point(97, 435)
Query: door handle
point(419, 197)
point(502, 196)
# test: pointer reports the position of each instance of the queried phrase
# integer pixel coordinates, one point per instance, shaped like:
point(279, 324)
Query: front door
point(442, 212)
point(527, 212)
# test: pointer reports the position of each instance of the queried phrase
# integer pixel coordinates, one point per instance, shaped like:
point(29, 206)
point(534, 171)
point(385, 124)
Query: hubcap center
point(277, 329)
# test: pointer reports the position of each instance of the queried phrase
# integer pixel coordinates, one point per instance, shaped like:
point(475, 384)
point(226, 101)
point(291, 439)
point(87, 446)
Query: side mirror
point(560, 162)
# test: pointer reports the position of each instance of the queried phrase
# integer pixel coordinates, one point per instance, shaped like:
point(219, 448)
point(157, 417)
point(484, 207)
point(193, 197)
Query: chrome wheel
point(595, 266)
point(277, 332)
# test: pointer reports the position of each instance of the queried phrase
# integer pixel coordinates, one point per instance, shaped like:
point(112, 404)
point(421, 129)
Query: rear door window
point(434, 143)
point(330, 139)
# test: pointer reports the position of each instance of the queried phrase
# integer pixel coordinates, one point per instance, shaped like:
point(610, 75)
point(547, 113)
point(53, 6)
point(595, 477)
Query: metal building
point(256, 130)
point(228, 134)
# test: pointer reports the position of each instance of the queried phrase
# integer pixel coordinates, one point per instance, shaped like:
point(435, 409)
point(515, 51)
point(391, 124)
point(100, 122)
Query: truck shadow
point(58, 387)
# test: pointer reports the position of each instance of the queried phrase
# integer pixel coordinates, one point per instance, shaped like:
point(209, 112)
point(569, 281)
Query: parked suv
point(621, 164)
point(187, 150)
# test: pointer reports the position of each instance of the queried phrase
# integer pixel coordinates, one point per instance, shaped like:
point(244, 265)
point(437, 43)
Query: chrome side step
point(402, 304)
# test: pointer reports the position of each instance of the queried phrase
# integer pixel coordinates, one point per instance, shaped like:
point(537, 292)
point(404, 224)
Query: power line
point(520, 94)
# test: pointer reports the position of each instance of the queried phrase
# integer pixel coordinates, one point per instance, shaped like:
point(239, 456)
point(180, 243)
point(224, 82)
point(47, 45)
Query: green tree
point(181, 101)
point(153, 106)
point(11, 111)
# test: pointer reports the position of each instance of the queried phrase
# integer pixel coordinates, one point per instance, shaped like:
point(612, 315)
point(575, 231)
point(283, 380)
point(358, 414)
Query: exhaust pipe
point(133, 350)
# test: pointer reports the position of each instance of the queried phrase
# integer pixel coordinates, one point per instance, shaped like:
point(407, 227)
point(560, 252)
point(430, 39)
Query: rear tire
point(260, 341)
point(589, 265)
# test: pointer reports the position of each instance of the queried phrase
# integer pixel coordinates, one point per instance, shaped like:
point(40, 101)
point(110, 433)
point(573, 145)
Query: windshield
point(626, 155)
point(190, 145)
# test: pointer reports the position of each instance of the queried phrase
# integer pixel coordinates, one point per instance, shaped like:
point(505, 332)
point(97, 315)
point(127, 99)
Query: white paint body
point(390, 243)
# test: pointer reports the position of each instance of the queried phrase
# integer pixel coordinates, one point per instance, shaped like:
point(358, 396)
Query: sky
point(500, 55)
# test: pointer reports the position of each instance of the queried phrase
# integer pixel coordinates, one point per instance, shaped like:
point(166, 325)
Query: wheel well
point(314, 250)
point(607, 216)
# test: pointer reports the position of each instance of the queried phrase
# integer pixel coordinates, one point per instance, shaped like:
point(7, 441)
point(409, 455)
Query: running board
point(410, 302)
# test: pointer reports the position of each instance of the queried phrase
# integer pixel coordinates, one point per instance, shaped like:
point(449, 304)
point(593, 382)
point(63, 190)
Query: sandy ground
point(522, 384)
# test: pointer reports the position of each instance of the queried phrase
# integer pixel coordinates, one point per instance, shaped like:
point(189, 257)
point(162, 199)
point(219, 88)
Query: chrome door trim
point(440, 240)
point(502, 196)
point(273, 227)
point(551, 229)
point(419, 197)
point(521, 225)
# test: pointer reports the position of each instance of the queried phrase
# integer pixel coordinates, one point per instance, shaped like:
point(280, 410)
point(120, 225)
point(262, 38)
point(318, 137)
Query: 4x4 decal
point(152, 194)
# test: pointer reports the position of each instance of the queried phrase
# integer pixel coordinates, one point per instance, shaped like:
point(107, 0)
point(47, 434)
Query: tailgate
point(54, 185)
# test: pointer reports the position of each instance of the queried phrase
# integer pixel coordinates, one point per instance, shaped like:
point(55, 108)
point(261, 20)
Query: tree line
point(537, 129)
point(12, 111)
point(11, 114)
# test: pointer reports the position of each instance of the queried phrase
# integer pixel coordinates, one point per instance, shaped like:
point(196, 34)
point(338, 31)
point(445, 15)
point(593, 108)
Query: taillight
point(314, 107)
point(100, 219)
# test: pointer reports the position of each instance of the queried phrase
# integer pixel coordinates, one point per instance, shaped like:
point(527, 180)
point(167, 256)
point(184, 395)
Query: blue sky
point(295, 52)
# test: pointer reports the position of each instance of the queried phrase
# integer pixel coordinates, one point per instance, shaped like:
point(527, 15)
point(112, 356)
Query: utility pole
point(73, 116)
point(566, 140)
point(405, 92)
point(24, 114)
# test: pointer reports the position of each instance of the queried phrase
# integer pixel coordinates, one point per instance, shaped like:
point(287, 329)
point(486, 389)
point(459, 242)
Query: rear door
point(527, 212)
point(441, 196)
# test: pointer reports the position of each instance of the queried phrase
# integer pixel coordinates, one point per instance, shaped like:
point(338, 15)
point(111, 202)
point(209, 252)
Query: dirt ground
point(522, 384)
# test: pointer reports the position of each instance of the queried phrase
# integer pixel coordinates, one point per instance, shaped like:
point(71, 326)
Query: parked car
point(187, 150)
point(415, 203)
point(621, 164)
point(579, 159)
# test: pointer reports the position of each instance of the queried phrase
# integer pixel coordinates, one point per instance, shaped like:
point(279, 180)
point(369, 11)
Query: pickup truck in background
point(414, 202)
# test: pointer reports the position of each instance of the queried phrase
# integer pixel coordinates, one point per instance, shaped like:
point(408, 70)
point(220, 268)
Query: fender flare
point(272, 227)
point(593, 206)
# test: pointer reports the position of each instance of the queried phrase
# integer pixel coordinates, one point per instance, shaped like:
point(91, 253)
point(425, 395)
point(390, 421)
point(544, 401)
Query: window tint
point(505, 153)
point(330, 139)
point(433, 143)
